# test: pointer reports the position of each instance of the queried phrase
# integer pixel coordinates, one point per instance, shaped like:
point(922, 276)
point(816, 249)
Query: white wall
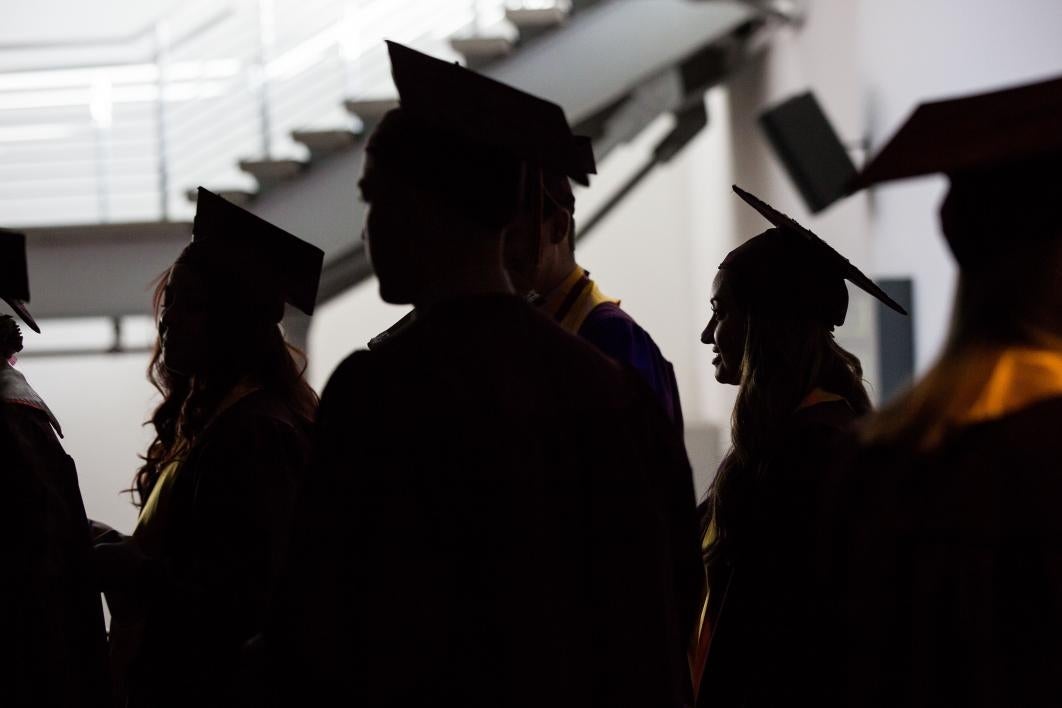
point(101, 402)
point(914, 50)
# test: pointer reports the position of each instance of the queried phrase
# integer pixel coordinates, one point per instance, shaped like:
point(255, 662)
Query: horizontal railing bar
point(147, 31)
point(192, 139)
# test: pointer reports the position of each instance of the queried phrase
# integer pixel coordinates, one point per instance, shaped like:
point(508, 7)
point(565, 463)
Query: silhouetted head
point(10, 338)
point(447, 172)
point(1001, 151)
point(540, 243)
point(1004, 229)
point(1002, 154)
point(726, 330)
point(14, 276)
point(436, 207)
point(219, 308)
point(778, 341)
point(208, 320)
point(784, 275)
point(213, 337)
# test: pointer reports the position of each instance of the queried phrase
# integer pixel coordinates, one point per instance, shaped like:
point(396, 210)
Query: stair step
point(480, 51)
point(322, 143)
point(240, 197)
point(537, 18)
point(272, 172)
point(370, 111)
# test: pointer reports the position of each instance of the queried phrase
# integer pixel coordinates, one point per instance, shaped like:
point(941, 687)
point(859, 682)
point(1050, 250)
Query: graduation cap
point(455, 101)
point(1001, 130)
point(14, 276)
point(790, 270)
point(258, 259)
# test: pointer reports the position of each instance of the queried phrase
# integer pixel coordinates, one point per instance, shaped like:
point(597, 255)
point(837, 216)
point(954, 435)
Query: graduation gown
point(212, 566)
point(952, 576)
point(51, 617)
point(498, 516)
point(582, 309)
point(764, 610)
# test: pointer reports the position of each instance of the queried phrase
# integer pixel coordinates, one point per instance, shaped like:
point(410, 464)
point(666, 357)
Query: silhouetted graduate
point(540, 255)
point(51, 617)
point(954, 570)
point(499, 514)
point(219, 481)
point(540, 260)
point(775, 303)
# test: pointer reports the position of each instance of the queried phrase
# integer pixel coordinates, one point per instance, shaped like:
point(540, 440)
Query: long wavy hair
point(251, 350)
point(1013, 305)
point(784, 360)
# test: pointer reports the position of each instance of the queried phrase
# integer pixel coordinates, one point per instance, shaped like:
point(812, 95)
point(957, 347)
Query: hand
point(102, 533)
point(122, 570)
point(121, 563)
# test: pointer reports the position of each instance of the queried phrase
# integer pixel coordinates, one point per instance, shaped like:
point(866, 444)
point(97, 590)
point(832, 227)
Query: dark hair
point(243, 348)
point(484, 183)
point(1015, 304)
point(10, 337)
point(785, 360)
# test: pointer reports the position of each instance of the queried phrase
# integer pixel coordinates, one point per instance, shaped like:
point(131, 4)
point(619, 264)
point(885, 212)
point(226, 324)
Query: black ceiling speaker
point(810, 150)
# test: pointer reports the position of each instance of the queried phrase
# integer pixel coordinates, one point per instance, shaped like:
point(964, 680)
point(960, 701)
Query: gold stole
point(574, 299)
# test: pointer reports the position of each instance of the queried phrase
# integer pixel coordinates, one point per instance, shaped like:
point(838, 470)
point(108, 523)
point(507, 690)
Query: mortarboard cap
point(257, 255)
point(973, 134)
point(791, 270)
point(14, 276)
point(454, 100)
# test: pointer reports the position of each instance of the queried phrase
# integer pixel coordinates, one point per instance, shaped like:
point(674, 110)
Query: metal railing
point(118, 129)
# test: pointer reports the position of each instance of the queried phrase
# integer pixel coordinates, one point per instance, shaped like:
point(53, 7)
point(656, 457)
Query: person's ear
point(560, 226)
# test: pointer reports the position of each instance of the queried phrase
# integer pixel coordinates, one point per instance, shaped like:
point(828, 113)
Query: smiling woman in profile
point(775, 303)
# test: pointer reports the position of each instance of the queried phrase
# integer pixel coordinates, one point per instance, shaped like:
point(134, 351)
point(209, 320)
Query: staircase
point(613, 65)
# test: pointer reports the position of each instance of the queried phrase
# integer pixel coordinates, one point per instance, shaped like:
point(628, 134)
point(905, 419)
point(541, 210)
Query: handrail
point(193, 93)
point(148, 32)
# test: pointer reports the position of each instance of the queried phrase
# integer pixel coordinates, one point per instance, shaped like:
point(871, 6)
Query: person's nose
point(708, 335)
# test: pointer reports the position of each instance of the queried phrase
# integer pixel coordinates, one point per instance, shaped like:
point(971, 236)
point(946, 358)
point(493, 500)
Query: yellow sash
point(1019, 377)
point(574, 299)
point(153, 516)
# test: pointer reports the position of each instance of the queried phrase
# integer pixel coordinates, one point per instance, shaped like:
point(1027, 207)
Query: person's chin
point(722, 375)
point(394, 296)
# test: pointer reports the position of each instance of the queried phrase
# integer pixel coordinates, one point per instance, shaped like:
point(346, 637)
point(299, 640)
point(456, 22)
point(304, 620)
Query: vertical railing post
point(101, 108)
point(266, 35)
point(349, 47)
point(161, 45)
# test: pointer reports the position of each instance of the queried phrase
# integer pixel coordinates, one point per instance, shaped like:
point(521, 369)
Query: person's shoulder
point(1038, 421)
point(1029, 436)
point(581, 352)
point(614, 331)
point(26, 422)
point(261, 414)
point(609, 319)
point(359, 371)
point(828, 417)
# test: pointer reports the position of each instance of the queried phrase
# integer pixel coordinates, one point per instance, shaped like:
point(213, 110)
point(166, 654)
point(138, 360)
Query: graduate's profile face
point(183, 321)
point(523, 249)
point(726, 330)
point(532, 245)
point(389, 233)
